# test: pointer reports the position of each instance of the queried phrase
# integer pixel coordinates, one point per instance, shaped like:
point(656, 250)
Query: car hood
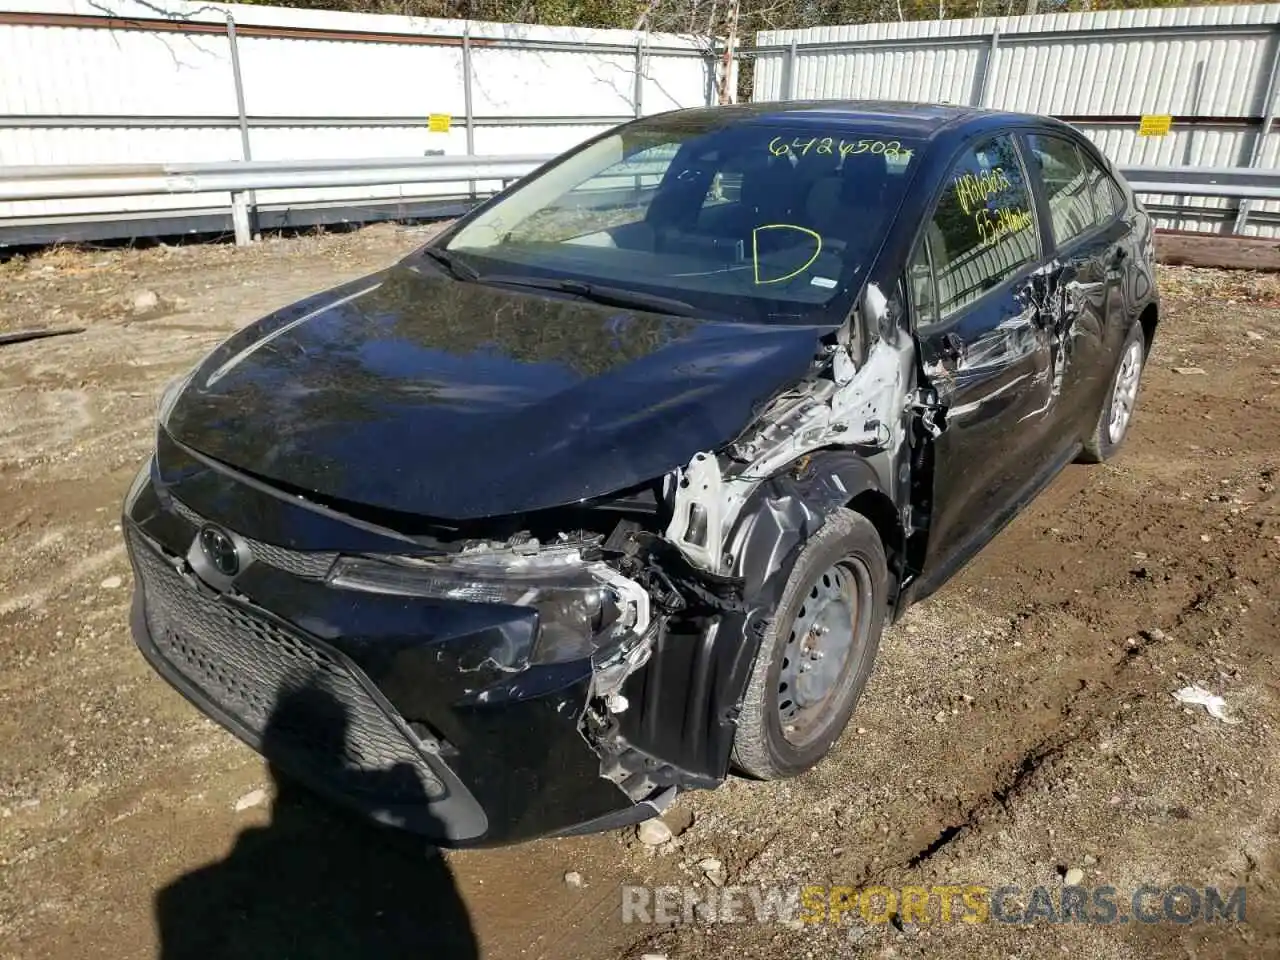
point(415, 393)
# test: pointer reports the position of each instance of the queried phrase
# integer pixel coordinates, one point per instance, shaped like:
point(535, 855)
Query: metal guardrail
point(1206, 181)
point(644, 50)
point(63, 182)
point(241, 178)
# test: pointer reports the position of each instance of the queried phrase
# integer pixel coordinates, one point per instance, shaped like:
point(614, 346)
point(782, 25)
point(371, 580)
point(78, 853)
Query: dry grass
point(1227, 286)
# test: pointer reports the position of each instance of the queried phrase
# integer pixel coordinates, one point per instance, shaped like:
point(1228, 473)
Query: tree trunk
point(727, 93)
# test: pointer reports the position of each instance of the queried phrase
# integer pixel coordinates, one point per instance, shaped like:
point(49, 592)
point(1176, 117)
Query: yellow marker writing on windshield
point(755, 251)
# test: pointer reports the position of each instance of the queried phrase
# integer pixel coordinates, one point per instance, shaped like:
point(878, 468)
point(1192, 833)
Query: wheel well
point(1150, 317)
point(879, 509)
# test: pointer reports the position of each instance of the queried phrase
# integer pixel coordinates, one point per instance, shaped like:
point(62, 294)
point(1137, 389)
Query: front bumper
point(379, 702)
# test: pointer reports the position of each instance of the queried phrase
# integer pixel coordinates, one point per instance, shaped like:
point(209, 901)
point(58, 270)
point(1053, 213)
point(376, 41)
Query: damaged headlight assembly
point(584, 607)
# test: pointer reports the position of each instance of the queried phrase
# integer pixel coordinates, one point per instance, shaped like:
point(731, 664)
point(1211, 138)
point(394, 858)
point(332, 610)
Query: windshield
point(764, 223)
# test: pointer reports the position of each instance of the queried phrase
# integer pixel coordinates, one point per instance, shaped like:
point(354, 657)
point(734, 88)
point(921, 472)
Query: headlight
point(581, 606)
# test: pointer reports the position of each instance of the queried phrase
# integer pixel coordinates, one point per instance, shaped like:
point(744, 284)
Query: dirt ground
point(1019, 724)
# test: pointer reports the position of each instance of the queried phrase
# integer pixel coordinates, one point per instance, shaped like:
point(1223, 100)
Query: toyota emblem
point(220, 550)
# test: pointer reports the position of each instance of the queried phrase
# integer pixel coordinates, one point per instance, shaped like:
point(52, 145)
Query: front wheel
point(1117, 411)
point(817, 653)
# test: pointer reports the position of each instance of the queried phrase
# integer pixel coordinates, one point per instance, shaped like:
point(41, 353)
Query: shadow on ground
point(316, 882)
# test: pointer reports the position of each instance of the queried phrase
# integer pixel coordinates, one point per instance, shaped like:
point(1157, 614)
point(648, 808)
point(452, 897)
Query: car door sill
point(965, 552)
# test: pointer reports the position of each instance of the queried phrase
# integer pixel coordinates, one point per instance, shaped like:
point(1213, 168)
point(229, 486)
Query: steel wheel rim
point(825, 645)
point(1125, 392)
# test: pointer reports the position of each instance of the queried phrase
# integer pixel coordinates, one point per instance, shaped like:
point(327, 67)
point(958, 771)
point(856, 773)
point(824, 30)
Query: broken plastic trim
point(636, 773)
point(611, 668)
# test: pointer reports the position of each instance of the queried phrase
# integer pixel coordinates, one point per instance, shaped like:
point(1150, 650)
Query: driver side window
point(982, 230)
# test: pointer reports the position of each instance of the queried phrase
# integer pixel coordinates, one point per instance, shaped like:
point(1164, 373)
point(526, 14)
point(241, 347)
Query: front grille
point(308, 564)
point(301, 703)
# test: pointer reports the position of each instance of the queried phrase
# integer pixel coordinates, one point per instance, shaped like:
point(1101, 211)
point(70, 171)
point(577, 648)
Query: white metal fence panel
point(128, 81)
point(1213, 69)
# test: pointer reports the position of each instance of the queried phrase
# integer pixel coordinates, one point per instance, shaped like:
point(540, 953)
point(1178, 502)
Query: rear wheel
point(1117, 411)
point(817, 653)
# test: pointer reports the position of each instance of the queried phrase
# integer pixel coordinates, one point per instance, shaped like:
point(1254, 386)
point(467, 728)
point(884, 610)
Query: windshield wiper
point(457, 268)
point(598, 293)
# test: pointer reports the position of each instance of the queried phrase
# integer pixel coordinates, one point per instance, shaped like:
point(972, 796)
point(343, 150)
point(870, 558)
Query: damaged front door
point(979, 329)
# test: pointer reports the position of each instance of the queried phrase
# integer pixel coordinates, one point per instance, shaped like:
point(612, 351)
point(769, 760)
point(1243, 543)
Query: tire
point(844, 561)
point(1103, 443)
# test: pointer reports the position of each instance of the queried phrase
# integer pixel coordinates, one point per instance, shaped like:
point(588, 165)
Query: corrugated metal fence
point(1213, 69)
point(128, 82)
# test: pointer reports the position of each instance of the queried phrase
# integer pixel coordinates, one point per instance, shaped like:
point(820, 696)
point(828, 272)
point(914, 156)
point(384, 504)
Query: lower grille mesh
point(302, 702)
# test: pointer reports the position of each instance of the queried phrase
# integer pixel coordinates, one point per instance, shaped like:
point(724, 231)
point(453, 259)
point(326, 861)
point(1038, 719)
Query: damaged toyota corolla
point(611, 488)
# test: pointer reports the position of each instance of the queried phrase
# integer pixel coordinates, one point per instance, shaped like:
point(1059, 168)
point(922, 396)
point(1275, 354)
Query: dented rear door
point(1082, 302)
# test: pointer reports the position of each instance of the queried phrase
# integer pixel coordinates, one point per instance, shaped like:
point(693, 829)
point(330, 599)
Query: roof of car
point(923, 120)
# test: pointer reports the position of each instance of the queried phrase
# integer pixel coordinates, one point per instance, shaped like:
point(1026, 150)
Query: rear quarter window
point(1108, 201)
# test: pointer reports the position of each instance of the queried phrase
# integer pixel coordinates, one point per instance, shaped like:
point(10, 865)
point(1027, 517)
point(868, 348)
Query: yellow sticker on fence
point(439, 122)
point(1155, 126)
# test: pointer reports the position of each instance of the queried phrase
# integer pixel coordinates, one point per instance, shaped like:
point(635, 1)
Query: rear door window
point(983, 229)
point(1067, 186)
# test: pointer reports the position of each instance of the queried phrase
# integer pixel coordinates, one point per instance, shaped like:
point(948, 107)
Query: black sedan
point(611, 488)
